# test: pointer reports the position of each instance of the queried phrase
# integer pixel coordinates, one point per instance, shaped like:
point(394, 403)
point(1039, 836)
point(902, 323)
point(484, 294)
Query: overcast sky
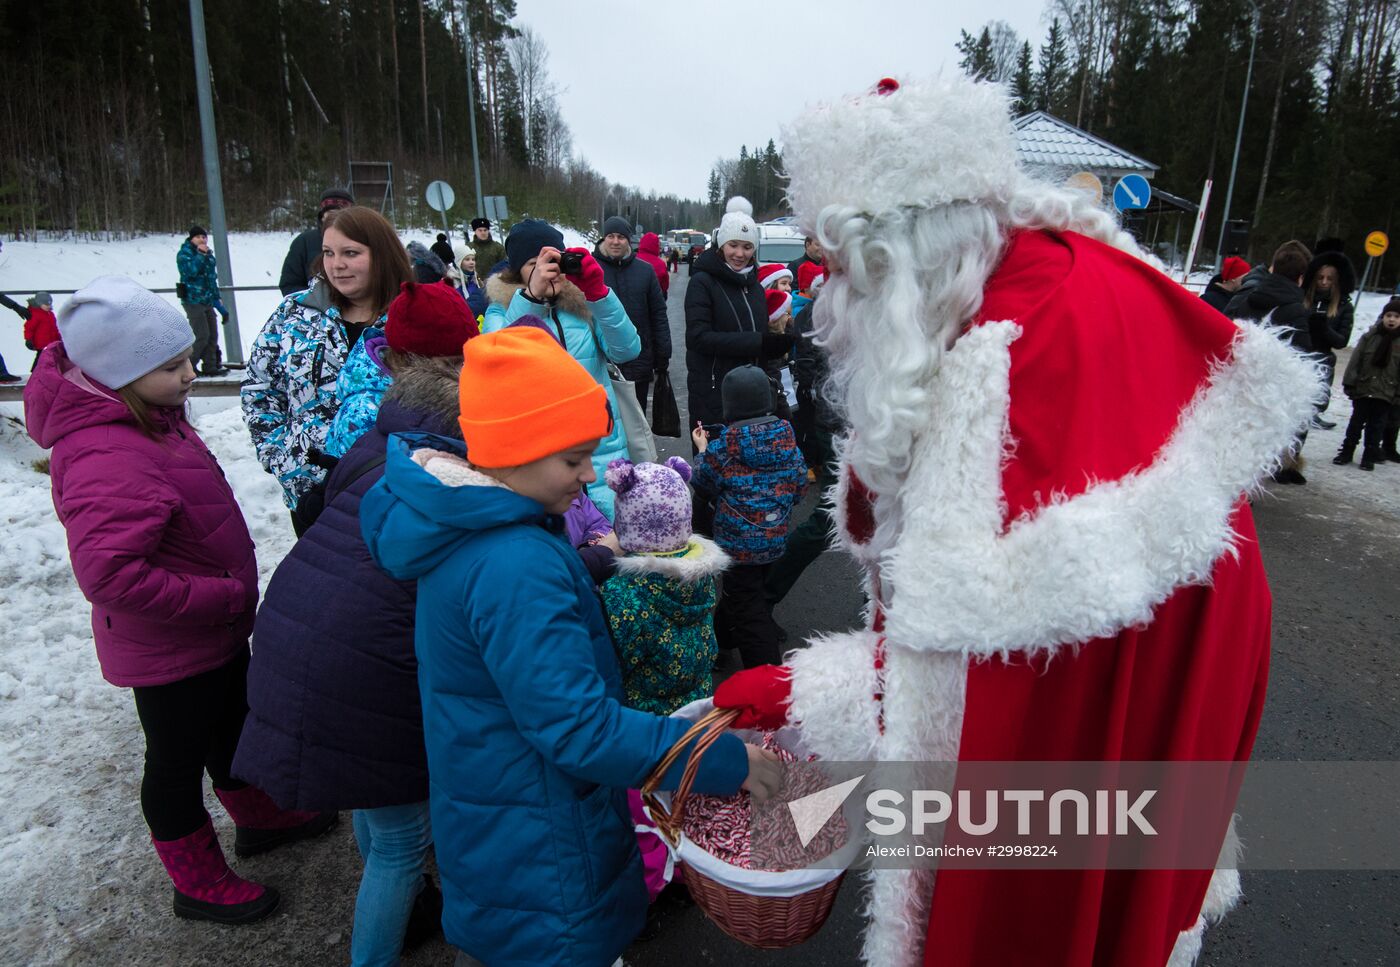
point(654, 92)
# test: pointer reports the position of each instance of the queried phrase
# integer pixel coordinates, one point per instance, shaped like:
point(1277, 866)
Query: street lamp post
point(471, 115)
point(1239, 136)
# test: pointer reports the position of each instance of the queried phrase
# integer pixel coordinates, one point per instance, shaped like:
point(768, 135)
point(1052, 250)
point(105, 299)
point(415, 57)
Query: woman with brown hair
point(289, 393)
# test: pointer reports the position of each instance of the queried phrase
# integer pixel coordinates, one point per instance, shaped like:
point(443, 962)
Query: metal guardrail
point(170, 291)
point(216, 386)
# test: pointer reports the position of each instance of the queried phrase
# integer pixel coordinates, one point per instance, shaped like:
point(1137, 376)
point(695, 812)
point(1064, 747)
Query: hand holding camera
point(584, 271)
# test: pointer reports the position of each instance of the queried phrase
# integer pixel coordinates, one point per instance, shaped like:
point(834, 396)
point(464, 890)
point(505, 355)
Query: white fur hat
point(737, 225)
point(921, 143)
point(116, 330)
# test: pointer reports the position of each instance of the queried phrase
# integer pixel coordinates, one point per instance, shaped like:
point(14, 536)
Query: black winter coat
point(726, 317)
point(1216, 295)
point(1265, 297)
point(636, 286)
point(296, 267)
point(1334, 333)
point(334, 718)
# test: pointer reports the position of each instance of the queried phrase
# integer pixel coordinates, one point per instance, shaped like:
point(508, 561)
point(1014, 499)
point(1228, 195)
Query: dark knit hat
point(481, 223)
point(429, 320)
point(1392, 306)
point(528, 237)
point(336, 198)
point(746, 393)
point(427, 267)
point(196, 230)
point(617, 225)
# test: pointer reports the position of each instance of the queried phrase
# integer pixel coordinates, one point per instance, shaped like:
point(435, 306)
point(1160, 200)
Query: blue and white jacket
point(290, 393)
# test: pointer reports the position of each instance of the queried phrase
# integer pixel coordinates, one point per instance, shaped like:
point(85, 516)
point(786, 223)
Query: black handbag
point(665, 415)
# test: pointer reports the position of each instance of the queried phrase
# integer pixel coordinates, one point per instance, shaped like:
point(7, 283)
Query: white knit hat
point(918, 143)
point(737, 224)
point(116, 330)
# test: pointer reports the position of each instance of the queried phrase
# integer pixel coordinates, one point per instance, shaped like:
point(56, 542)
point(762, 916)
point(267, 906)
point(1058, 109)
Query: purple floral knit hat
point(652, 509)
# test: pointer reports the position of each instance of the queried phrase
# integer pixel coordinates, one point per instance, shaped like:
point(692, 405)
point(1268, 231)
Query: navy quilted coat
point(334, 720)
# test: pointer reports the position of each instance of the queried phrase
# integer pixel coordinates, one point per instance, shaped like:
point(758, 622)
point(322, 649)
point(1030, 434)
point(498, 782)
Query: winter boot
point(1344, 455)
point(1388, 441)
point(425, 919)
point(205, 888)
point(262, 825)
point(1368, 459)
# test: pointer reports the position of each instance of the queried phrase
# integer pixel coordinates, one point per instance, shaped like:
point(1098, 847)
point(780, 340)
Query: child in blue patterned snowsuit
point(756, 476)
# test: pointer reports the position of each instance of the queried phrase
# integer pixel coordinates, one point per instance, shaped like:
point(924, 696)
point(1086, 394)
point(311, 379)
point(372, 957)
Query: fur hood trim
point(452, 470)
point(429, 384)
point(703, 558)
point(1088, 566)
point(570, 298)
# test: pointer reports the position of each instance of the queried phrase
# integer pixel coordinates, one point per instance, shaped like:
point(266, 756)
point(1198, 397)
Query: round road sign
point(1376, 244)
point(440, 196)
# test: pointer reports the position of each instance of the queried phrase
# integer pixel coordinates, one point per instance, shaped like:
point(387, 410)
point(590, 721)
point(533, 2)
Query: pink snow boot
point(260, 824)
point(205, 888)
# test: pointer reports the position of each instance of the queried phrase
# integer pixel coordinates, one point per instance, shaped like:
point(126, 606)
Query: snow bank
point(74, 848)
point(69, 264)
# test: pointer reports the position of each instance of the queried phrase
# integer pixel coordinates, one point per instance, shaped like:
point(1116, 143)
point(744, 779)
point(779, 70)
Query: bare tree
point(1006, 47)
point(529, 58)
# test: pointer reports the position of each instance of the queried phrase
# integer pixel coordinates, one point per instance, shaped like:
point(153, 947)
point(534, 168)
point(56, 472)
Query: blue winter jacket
point(199, 275)
point(360, 387)
point(530, 750)
point(757, 476)
point(571, 314)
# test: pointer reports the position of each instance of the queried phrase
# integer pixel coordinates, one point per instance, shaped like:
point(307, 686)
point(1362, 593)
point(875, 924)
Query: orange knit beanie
point(523, 397)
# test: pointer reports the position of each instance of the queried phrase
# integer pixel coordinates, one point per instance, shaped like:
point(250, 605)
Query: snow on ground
point(55, 264)
point(74, 849)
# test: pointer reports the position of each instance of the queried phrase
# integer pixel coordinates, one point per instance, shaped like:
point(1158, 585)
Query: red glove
point(763, 694)
point(590, 277)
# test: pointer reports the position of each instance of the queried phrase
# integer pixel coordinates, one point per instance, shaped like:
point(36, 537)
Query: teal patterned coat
point(661, 611)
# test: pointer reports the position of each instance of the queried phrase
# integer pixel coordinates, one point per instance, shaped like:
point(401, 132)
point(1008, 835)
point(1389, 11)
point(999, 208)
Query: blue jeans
point(394, 842)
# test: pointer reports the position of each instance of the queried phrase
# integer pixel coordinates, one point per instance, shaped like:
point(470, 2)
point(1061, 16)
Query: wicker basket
point(766, 922)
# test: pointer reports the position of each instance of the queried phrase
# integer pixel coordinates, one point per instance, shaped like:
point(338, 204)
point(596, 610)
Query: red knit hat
point(429, 320)
point(1233, 268)
point(779, 304)
point(768, 275)
point(807, 273)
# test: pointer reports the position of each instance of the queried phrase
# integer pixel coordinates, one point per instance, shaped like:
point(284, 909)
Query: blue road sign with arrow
point(1131, 192)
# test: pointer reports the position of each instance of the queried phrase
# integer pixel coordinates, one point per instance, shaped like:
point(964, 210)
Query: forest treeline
point(103, 123)
point(1165, 79)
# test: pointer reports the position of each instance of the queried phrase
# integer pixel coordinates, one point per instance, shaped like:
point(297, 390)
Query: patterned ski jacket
point(757, 475)
point(360, 388)
point(289, 394)
point(660, 608)
point(198, 274)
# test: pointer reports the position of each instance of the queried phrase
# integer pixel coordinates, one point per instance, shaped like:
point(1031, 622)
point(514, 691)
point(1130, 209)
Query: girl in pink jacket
point(160, 548)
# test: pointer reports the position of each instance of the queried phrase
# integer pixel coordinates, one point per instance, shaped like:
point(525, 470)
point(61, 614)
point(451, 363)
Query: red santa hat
point(768, 275)
point(810, 276)
point(779, 304)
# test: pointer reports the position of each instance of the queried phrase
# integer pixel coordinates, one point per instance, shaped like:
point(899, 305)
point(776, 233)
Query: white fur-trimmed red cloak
point(1080, 482)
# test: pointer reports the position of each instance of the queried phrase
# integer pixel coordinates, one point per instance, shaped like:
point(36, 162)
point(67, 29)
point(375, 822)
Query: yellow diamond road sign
point(1376, 244)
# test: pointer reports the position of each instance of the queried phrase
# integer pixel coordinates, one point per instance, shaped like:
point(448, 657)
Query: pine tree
point(977, 60)
point(1023, 82)
point(1050, 79)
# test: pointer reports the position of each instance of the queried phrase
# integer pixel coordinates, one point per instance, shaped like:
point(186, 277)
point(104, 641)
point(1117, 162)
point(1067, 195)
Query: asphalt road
point(1334, 693)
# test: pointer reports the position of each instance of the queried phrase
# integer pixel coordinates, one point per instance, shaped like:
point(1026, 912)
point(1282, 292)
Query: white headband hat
point(116, 330)
point(920, 143)
point(737, 225)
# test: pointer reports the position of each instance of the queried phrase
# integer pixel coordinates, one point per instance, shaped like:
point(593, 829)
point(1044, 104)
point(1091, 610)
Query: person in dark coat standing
point(442, 249)
point(1274, 297)
point(811, 253)
point(726, 315)
point(334, 715)
point(635, 283)
point(306, 247)
point(1222, 288)
point(489, 252)
point(199, 296)
point(1327, 287)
